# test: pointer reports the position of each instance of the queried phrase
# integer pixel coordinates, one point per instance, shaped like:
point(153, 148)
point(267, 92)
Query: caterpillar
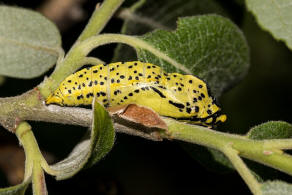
point(183, 97)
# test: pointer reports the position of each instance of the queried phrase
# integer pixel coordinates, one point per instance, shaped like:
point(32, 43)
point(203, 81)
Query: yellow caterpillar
point(184, 97)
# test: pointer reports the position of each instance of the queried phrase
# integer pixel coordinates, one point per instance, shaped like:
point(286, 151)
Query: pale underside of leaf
point(276, 188)
point(275, 17)
point(74, 162)
point(29, 43)
point(92, 148)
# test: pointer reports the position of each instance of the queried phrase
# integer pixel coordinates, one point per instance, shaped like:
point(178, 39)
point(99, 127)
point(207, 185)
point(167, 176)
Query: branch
point(28, 107)
point(256, 150)
point(24, 107)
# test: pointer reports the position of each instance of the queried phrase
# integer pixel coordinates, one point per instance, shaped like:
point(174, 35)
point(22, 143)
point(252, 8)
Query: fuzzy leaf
point(275, 17)
point(271, 130)
point(29, 43)
point(276, 188)
point(210, 47)
point(92, 149)
point(15, 190)
point(104, 131)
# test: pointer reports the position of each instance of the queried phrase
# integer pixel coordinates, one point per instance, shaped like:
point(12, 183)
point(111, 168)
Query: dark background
point(138, 166)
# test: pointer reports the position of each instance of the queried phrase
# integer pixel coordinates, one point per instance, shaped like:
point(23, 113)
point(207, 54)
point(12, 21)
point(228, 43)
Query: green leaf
point(210, 47)
point(104, 131)
point(92, 149)
point(275, 17)
point(271, 130)
point(29, 43)
point(15, 190)
point(276, 188)
point(140, 18)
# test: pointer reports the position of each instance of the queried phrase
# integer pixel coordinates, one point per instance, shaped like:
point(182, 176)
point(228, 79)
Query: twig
point(243, 170)
point(100, 18)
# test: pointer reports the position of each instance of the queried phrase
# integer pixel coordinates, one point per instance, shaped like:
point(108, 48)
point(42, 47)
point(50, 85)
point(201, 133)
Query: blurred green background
point(138, 166)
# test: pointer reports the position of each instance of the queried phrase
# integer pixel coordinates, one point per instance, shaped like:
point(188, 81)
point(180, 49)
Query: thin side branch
point(96, 41)
point(91, 61)
point(100, 18)
point(243, 170)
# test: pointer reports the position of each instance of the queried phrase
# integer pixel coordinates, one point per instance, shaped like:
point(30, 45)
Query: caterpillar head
point(209, 121)
point(211, 114)
point(55, 98)
point(214, 119)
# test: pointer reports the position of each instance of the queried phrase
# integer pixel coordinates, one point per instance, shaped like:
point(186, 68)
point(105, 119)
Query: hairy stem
point(91, 61)
point(243, 170)
point(283, 144)
point(38, 181)
point(95, 41)
point(256, 150)
point(100, 18)
point(21, 131)
point(33, 154)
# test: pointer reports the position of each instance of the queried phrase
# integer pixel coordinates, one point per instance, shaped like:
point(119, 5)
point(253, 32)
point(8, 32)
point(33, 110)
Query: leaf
point(210, 47)
point(271, 130)
point(140, 18)
point(29, 43)
point(92, 149)
point(275, 17)
point(276, 188)
point(102, 129)
point(15, 190)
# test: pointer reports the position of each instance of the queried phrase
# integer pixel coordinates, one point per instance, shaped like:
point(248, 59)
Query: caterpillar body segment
point(184, 97)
